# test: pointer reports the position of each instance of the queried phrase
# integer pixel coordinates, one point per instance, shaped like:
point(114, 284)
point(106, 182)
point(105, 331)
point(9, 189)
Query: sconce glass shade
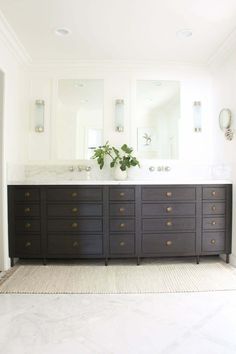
point(197, 116)
point(119, 115)
point(39, 116)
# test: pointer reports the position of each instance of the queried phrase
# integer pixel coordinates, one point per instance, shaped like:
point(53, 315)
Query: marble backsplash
point(161, 170)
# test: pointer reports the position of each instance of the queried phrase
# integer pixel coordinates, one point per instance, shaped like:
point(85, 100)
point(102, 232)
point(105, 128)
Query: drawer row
point(182, 243)
point(118, 194)
point(119, 225)
point(119, 244)
point(118, 209)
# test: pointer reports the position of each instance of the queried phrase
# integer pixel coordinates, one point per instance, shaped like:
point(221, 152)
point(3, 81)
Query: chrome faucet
point(86, 168)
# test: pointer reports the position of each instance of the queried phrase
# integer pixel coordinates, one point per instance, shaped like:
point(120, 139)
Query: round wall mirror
point(225, 119)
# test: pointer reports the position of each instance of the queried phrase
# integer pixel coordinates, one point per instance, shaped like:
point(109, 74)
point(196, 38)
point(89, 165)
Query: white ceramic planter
point(119, 175)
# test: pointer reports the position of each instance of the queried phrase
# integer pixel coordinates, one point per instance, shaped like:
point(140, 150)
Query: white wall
point(120, 82)
point(13, 132)
point(223, 88)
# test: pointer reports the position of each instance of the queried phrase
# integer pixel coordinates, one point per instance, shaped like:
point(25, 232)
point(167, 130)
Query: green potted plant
point(121, 159)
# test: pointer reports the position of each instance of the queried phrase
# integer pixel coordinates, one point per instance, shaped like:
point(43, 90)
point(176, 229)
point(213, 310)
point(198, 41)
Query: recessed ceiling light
point(62, 31)
point(184, 33)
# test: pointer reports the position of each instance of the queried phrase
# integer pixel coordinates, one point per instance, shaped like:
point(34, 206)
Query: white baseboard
point(232, 260)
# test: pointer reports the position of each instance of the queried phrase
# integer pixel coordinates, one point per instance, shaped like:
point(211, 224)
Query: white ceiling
point(121, 29)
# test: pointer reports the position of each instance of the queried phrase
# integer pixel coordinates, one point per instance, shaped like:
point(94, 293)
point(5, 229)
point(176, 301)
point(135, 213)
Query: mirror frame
point(54, 94)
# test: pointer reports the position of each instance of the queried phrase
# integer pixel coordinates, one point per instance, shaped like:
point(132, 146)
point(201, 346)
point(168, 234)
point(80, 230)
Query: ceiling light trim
point(184, 33)
point(62, 31)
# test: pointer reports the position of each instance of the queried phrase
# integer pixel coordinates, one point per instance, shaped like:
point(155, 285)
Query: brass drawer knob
point(169, 194)
point(74, 225)
point(169, 209)
point(122, 225)
point(74, 194)
point(28, 244)
point(27, 194)
point(213, 242)
point(169, 223)
point(213, 193)
point(122, 194)
point(122, 243)
point(74, 210)
point(213, 222)
point(27, 210)
point(75, 244)
point(168, 243)
point(213, 208)
point(122, 210)
point(27, 225)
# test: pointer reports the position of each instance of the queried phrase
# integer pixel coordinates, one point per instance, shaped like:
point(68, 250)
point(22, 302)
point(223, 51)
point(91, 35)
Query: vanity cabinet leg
point(44, 261)
point(12, 262)
point(138, 261)
point(106, 261)
point(227, 258)
point(197, 259)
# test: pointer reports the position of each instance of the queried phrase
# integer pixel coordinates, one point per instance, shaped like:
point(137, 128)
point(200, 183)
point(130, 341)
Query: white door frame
point(3, 190)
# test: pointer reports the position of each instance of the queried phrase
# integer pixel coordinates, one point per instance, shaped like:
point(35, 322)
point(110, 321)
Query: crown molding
point(225, 49)
point(15, 47)
point(123, 65)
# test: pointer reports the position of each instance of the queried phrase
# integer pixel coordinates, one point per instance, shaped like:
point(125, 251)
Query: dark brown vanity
point(117, 221)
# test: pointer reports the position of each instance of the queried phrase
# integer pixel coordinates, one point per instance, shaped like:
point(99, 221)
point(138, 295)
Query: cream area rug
point(120, 277)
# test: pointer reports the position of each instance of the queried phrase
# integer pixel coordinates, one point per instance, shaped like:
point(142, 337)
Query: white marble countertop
point(113, 182)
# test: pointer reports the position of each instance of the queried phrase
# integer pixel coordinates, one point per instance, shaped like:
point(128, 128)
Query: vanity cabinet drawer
point(122, 209)
point(27, 225)
point(172, 224)
point(77, 194)
point(213, 241)
point(213, 208)
point(213, 223)
point(26, 194)
point(75, 245)
point(122, 244)
point(122, 225)
point(74, 210)
point(25, 210)
point(75, 225)
point(164, 194)
point(214, 193)
point(122, 194)
point(168, 243)
point(27, 245)
point(168, 209)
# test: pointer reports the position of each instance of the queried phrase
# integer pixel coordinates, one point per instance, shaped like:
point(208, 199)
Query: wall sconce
point(39, 116)
point(197, 116)
point(119, 115)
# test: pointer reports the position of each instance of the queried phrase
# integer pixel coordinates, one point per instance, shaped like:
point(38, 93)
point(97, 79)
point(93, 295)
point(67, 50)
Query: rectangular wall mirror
point(79, 118)
point(157, 119)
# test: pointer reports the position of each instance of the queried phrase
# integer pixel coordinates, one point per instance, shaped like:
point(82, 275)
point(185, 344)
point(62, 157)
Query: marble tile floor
point(180, 323)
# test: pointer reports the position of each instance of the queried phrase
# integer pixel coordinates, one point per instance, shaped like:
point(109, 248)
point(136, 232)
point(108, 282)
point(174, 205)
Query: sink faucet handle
point(151, 168)
point(71, 168)
point(88, 168)
point(167, 168)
